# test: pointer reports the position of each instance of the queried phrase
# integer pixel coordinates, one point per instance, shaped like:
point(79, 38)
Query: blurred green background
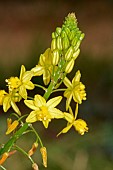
point(25, 33)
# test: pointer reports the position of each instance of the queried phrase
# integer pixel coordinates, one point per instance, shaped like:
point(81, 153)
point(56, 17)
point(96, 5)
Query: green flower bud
point(69, 53)
point(74, 41)
point(76, 53)
point(55, 57)
point(67, 30)
point(59, 43)
point(53, 44)
point(72, 34)
point(58, 30)
point(63, 34)
point(77, 45)
point(69, 66)
point(53, 35)
point(65, 43)
point(82, 36)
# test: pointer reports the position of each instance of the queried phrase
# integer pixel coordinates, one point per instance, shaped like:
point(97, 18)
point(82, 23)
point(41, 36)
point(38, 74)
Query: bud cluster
point(65, 43)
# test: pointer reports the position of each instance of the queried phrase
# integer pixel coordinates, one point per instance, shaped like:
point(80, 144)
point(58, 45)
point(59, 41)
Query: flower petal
point(54, 102)
point(32, 117)
point(38, 70)
point(56, 113)
point(66, 129)
point(30, 104)
point(69, 117)
point(67, 82)
point(6, 103)
point(29, 85)
point(27, 76)
point(22, 71)
point(23, 91)
point(39, 101)
point(46, 77)
point(15, 107)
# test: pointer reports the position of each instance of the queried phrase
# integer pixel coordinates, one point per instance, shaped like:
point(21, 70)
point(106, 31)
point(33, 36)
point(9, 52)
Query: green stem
point(56, 90)
point(37, 85)
point(7, 147)
point(37, 135)
point(2, 167)
point(56, 76)
point(25, 153)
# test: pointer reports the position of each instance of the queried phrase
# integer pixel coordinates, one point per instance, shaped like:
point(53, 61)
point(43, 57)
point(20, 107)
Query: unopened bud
point(69, 66)
point(65, 43)
point(53, 44)
point(58, 30)
point(76, 53)
point(59, 43)
point(69, 53)
point(55, 57)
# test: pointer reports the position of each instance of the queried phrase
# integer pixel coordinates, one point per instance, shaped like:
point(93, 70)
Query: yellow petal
point(27, 76)
point(46, 77)
point(23, 92)
point(29, 85)
point(22, 71)
point(66, 129)
point(69, 117)
point(39, 101)
point(30, 104)
point(32, 117)
point(38, 70)
point(56, 113)
point(54, 102)
point(15, 107)
point(68, 101)
point(67, 82)
point(6, 103)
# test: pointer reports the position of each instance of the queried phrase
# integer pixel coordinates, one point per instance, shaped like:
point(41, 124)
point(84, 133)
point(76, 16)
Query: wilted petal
point(54, 102)
point(12, 127)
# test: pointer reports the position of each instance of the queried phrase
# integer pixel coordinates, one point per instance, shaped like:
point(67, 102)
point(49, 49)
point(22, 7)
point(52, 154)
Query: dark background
point(25, 33)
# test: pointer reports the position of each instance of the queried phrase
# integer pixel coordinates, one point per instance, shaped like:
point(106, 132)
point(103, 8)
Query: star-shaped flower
point(44, 66)
point(79, 124)
point(42, 110)
point(75, 89)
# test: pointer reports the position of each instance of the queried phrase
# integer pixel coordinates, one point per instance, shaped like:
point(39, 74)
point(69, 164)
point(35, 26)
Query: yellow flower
point(2, 95)
point(25, 77)
point(13, 83)
point(42, 110)
point(44, 66)
point(10, 100)
point(79, 124)
point(75, 89)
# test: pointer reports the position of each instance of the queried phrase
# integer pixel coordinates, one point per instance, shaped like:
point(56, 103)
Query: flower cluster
point(54, 64)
